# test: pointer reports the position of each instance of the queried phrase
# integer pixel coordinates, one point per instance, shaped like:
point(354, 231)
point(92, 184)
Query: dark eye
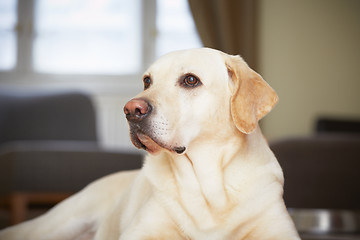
point(147, 82)
point(191, 81)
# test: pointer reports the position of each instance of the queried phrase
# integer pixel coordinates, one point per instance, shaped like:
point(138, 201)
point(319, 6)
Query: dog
point(209, 173)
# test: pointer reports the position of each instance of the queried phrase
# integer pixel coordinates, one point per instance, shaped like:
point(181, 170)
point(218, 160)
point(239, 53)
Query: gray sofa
point(49, 149)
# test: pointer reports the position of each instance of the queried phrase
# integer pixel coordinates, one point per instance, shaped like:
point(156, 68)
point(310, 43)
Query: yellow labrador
point(209, 175)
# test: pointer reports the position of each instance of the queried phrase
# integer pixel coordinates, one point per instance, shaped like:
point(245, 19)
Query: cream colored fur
point(227, 184)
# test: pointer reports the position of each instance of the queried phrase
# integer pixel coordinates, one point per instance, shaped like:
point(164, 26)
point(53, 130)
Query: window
point(93, 36)
point(101, 37)
point(175, 26)
point(7, 34)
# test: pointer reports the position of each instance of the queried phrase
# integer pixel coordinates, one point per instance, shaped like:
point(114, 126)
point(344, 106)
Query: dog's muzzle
point(142, 136)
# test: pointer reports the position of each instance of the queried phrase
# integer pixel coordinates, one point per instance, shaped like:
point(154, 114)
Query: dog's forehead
point(201, 62)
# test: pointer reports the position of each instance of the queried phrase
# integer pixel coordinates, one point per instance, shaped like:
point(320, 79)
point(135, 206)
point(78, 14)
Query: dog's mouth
point(147, 143)
point(141, 140)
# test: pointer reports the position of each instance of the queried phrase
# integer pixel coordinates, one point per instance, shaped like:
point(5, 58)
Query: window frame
point(24, 75)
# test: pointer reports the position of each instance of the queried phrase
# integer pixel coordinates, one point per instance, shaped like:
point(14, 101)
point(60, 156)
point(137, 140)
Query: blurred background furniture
point(337, 125)
point(49, 149)
point(322, 176)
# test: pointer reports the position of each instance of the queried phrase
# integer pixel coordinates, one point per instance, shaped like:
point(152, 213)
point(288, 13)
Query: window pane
point(175, 26)
point(7, 34)
point(87, 36)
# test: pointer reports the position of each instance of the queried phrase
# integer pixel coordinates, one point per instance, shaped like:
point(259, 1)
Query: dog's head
point(196, 94)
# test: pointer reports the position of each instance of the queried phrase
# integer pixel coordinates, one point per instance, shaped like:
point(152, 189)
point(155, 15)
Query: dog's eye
point(147, 82)
point(191, 81)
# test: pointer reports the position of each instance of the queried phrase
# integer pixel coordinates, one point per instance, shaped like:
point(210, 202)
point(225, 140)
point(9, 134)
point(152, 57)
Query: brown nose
point(137, 109)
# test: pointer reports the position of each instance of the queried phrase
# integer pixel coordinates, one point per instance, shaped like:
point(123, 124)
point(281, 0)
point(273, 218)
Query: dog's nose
point(137, 109)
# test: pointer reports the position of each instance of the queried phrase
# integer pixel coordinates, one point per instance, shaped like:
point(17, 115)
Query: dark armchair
point(322, 175)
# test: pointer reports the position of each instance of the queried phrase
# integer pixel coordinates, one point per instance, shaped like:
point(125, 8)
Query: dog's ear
point(252, 98)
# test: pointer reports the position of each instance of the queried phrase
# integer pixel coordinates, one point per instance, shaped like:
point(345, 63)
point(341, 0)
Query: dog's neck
point(196, 178)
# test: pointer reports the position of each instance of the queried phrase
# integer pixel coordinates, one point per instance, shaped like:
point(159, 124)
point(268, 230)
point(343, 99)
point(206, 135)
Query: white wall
point(309, 52)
